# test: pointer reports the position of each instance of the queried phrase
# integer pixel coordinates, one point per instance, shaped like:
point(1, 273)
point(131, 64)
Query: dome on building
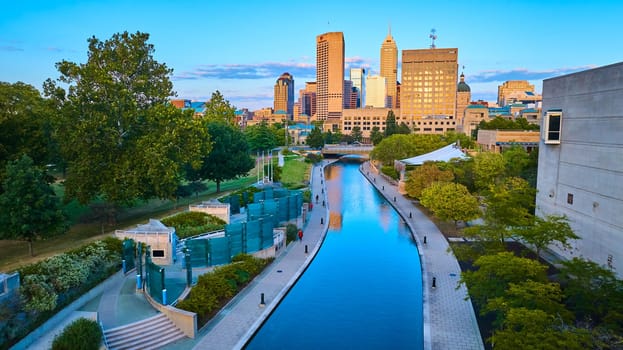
point(462, 86)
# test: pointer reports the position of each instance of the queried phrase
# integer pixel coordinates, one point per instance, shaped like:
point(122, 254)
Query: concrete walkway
point(449, 319)
point(236, 323)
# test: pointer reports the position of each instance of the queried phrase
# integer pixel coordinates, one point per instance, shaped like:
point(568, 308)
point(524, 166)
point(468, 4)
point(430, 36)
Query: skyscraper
point(329, 75)
point(376, 92)
point(389, 66)
point(358, 77)
point(428, 89)
point(284, 94)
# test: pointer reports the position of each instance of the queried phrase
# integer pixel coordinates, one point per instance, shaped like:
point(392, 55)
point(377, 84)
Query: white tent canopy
point(443, 154)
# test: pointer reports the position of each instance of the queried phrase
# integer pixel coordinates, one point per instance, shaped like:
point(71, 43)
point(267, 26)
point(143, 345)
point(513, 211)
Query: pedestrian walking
point(300, 235)
point(316, 199)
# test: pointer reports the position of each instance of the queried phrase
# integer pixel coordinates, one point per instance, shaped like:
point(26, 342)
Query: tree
point(376, 135)
point(516, 159)
point(510, 203)
point(542, 232)
point(533, 295)
point(25, 125)
point(495, 272)
point(403, 129)
point(423, 176)
point(315, 139)
point(219, 109)
point(229, 157)
point(393, 147)
point(489, 169)
point(356, 134)
point(592, 292)
point(260, 137)
point(450, 201)
point(120, 136)
point(390, 124)
point(535, 329)
point(30, 209)
point(465, 141)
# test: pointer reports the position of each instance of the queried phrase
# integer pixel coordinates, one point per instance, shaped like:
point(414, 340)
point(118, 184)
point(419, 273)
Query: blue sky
point(241, 47)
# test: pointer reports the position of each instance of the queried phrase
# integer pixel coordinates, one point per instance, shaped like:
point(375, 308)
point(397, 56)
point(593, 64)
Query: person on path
point(316, 199)
point(300, 235)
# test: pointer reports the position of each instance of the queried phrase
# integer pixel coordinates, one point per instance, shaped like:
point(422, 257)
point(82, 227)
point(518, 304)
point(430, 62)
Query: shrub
point(191, 223)
point(82, 334)
point(390, 171)
point(313, 158)
point(214, 289)
point(291, 231)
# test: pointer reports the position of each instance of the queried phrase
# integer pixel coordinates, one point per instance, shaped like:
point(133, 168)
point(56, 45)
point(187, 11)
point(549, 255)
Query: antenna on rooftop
point(433, 37)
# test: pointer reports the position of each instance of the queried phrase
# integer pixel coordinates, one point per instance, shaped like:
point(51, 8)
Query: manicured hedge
point(82, 334)
point(191, 223)
point(215, 289)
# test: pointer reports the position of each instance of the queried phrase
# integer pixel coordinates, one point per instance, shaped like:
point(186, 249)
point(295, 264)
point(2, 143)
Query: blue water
point(364, 288)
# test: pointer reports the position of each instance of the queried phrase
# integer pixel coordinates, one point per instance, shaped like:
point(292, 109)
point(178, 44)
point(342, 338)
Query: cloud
point(10, 48)
point(520, 74)
point(266, 70)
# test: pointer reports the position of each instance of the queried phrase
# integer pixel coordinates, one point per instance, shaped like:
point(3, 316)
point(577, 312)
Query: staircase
point(150, 333)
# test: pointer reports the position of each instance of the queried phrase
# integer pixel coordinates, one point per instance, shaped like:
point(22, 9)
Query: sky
point(241, 47)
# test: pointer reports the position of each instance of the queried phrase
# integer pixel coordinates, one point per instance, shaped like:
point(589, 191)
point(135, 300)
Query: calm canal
point(364, 288)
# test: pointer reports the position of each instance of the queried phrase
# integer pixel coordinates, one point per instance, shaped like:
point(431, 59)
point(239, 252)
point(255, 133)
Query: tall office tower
point(348, 90)
point(329, 75)
point(376, 93)
point(389, 66)
point(308, 99)
point(284, 94)
point(463, 96)
point(428, 89)
point(358, 77)
point(397, 95)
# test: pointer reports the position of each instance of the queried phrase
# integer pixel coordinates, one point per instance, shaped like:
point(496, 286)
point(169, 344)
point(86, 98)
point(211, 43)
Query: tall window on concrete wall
point(552, 126)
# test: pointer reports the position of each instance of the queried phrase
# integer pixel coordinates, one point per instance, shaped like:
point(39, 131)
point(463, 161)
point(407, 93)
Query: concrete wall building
point(358, 77)
point(329, 75)
point(284, 95)
point(499, 140)
point(366, 119)
point(389, 67)
point(581, 161)
point(376, 93)
point(514, 88)
point(428, 89)
point(472, 116)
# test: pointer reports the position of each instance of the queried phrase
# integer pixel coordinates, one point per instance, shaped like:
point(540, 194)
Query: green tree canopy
point(30, 208)
point(120, 136)
point(499, 123)
point(260, 137)
point(516, 159)
point(315, 139)
point(593, 292)
point(489, 169)
point(450, 201)
point(229, 157)
point(495, 272)
point(376, 135)
point(401, 146)
point(423, 176)
point(542, 232)
point(535, 329)
point(356, 134)
point(25, 125)
point(219, 109)
point(510, 203)
point(391, 127)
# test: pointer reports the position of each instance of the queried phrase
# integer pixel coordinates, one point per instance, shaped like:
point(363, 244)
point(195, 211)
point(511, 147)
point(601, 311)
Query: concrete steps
point(150, 333)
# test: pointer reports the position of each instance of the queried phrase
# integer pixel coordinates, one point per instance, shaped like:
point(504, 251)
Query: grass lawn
point(295, 173)
point(14, 254)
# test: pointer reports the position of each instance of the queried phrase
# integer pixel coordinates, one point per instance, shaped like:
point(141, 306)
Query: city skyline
point(241, 49)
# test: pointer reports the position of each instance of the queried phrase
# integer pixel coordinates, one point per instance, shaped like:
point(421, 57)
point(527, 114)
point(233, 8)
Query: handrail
point(104, 335)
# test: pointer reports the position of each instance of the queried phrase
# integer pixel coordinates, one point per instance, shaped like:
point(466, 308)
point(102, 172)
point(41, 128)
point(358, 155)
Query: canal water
point(363, 290)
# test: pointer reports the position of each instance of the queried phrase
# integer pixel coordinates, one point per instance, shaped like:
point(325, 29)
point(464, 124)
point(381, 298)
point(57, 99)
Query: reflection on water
point(364, 288)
